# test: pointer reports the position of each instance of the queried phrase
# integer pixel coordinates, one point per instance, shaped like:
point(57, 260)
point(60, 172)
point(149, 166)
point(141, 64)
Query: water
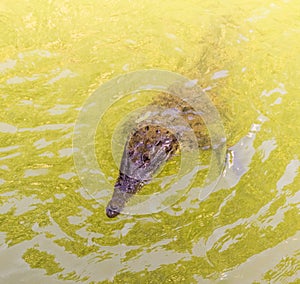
point(54, 54)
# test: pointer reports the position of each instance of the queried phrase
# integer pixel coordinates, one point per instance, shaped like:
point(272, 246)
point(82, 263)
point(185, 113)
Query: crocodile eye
point(146, 158)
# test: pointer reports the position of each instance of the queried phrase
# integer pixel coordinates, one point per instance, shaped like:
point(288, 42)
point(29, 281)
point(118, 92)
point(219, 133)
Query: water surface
point(54, 54)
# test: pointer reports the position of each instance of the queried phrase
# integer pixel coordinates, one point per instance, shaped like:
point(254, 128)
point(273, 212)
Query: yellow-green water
point(54, 54)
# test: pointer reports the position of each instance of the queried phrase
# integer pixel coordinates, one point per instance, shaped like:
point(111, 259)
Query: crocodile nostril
point(111, 213)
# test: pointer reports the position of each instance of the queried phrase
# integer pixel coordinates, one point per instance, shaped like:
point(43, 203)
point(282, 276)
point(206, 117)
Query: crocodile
point(149, 146)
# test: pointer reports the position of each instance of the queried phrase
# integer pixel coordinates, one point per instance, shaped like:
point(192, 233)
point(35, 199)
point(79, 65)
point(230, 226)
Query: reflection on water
point(54, 55)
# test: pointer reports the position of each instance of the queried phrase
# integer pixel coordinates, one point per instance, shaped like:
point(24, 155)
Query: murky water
point(54, 54)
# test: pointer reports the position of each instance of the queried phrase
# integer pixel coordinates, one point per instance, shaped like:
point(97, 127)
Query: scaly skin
point(151, 145)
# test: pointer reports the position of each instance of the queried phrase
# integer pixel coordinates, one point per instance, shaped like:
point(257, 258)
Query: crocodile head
point(145, 151)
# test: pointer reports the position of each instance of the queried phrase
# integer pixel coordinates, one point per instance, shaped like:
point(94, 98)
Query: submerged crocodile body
point(149, 146)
